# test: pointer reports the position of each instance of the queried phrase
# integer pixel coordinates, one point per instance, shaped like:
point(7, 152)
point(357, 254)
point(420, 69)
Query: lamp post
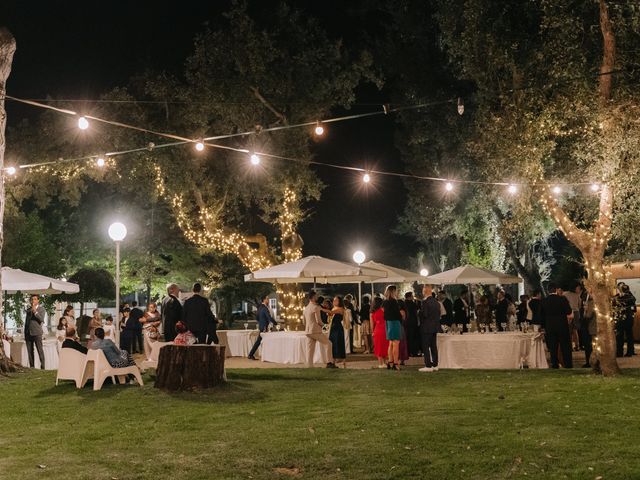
point(117, 232)
point(359, 257)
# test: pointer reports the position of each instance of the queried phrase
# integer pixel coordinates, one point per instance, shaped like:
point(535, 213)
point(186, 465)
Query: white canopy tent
point(16, 280)
point(314, 269)
point(394, 275)
point(469, 274)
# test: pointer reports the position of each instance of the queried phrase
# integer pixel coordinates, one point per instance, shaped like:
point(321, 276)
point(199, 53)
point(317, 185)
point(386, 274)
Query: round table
point(290, 348)
point(19, 354)
point(238, 342)
point(506, 350)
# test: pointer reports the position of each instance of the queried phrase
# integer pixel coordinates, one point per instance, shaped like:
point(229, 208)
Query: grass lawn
point(364, 424)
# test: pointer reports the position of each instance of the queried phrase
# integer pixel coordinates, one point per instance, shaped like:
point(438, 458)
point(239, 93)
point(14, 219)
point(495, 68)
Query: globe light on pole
point(359, 256)
point(319, 130)
point(83, 123)
point(366, 178)
point(255, 159)
point(424, 272)
point(199, 146)
point(117, 232)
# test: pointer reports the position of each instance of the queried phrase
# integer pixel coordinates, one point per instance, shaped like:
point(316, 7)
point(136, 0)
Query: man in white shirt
point(313, 329)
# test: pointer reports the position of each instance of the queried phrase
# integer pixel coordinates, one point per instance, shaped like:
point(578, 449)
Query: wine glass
point(246, 325)
point(445, 329)
point(503, 326)
point(278, 327)
point(460, 327)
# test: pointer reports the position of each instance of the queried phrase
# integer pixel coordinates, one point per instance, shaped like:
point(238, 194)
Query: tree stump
point(189, 367)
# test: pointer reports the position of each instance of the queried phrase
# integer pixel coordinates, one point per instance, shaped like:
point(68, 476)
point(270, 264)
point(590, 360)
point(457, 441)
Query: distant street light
point(117, 232)
point(424, 272)
point(359, 256)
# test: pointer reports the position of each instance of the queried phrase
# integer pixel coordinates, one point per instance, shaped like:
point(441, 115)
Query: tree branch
point(269, 105)
point(608, 54)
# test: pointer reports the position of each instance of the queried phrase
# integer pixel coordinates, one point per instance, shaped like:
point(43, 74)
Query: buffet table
point(492, 350)
point(290, 348)
point(238, 342)
point(20, 356)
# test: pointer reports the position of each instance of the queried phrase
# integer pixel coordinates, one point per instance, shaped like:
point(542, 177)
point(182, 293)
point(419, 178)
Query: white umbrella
point(394, 275)
point(315, 269)
point(470, 274)
point(16, 280)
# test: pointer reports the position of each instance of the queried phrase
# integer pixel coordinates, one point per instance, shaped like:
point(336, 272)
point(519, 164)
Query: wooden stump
point(188, 367)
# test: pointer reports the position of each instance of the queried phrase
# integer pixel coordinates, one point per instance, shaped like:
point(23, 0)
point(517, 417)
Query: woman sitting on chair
point(117, 358)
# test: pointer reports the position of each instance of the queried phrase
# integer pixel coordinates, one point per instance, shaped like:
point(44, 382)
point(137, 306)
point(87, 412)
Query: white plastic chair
point(102, 369)
point(152, 361)
point(73, 365)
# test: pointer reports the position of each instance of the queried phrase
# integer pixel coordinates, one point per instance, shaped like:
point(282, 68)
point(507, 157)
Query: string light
point(595, 187)
point(319, 130)
point(512, 189)
point(448, 186)
point(199, 146)
point(11, 171)
point(366, 178)
point(100, 162)
point(557, 190)
point(255, 159)
point(83, 123)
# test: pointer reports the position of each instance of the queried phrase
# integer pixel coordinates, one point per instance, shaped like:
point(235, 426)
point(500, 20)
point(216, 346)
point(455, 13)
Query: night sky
point(72, 49)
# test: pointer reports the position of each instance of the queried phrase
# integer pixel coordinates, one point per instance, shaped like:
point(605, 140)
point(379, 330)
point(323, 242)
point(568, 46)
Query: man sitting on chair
point(70, 341)
point(117, 358)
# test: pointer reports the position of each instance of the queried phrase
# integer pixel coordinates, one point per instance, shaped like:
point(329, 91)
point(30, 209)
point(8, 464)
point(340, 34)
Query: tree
point(543, 117)
point(95, 284)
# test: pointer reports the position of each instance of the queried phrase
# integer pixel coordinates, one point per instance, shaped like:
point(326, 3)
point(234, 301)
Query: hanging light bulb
point(448, 186)
point(83, 123)
point(366, 178)
point(199, 145)
point(460, 106)
point(255, 159)
point(319, 130)
point(595, 187)
point(512, 189)
point(11, 170)
point(100, 162)
point(557, 190)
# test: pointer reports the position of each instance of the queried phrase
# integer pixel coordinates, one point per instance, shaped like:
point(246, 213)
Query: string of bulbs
point(255, 156)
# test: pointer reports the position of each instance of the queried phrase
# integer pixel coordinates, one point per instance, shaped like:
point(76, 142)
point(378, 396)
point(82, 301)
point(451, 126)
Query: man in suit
point(556, 315)
point(70, 341)
point(413, 331)
point(446, 318)
point(171, 312)
point(33, 330)
point(429, 327)
point(461, 309)
point(198, 317)
point(313, 329)
point(264, 318)
point(135, 315)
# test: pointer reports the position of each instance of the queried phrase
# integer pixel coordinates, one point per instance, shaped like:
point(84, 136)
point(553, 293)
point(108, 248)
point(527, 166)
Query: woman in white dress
point(150, 323)
point(61, 332)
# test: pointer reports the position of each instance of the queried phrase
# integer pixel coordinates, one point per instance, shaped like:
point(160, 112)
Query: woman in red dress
point(380, 342)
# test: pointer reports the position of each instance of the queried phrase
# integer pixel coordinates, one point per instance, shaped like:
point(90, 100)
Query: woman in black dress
point(336, 333)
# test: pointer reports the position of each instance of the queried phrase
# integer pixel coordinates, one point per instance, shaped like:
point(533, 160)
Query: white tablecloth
point(290, 348)
point(7, 348)
point(238, 342)
point(20, 356)
point(492, 350)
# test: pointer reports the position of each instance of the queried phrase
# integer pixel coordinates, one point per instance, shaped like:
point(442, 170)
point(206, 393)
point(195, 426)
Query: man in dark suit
point(556, 314)
point(198, 317)
point(447, 317)
point(429, 327)
point(33, 330)
point(135, 315)
point(264, 318)
point(70, 341)
point(171, 312)
point(461, 310)
point(413, 331)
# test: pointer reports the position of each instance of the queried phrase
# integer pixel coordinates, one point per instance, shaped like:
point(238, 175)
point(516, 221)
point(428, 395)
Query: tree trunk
point(190, 367)
point(7, 49)
point(604, 352)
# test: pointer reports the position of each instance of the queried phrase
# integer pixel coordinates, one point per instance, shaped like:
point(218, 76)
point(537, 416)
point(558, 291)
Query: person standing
point(198, 317)
point(380, 342)
point(337, 332)
point(502, 307)
point(556, 314)
point(461, 310)
point(352, 319)
point(313, 330)
point(136, 315)
point(413, 330)
point(33, 331)
point(171, 312)
point(588, 327)
point(429, 326)
point(627, 304)
point(446, 317)
point(575, 300)
point(365, 320)
point(534, 305)
point(150, 322)
point(393, 322)
point(95, 322)
point(264, 319)
point(483, 312)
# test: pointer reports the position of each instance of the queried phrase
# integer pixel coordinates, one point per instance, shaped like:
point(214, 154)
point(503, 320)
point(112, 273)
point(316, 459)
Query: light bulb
point(11, 170)
point(512, 189)
point(319, 130)
point(255, 159)
point(449, 186)
point(100, 162)
point(199, 146)
point(359, 256)
point(424, 272)
point(557, 190)
point(366, 178)
point(595, 187)
point(83, 123)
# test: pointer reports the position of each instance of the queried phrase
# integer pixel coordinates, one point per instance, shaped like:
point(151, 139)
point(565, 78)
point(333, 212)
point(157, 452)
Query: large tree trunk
point(190, 367)
point(7, 49)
